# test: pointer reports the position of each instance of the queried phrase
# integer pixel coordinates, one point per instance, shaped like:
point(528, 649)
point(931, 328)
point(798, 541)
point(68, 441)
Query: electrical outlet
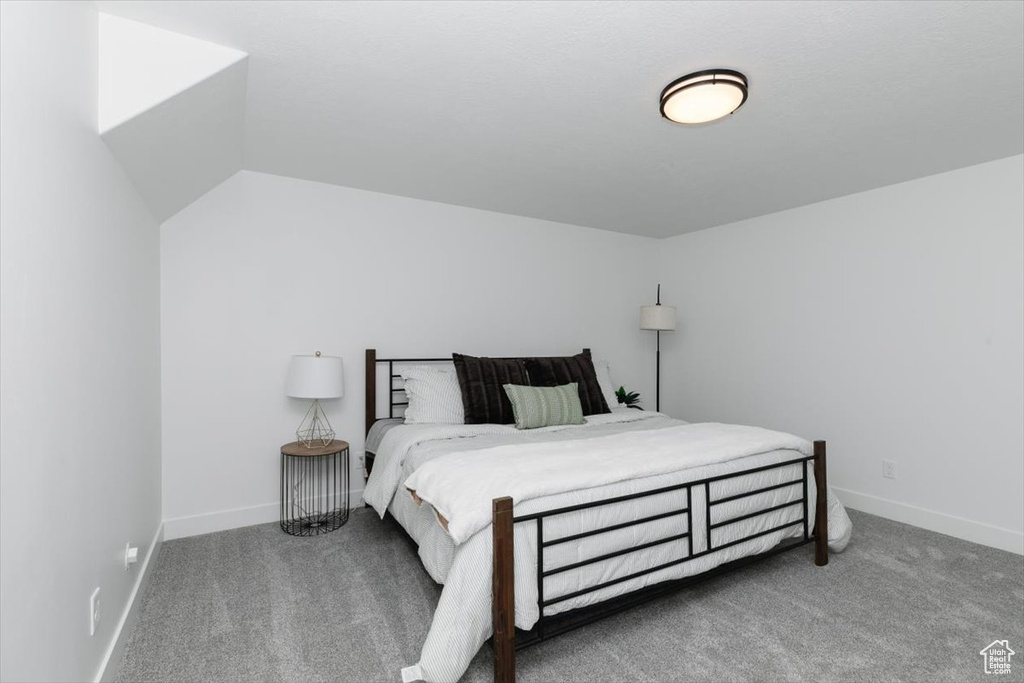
point(131, 556)
point(94, 611)
point(889, 469)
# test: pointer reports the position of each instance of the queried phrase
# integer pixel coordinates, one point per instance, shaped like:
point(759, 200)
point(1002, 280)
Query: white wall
point(264, 267)
point(889, 323)
point(79, 353)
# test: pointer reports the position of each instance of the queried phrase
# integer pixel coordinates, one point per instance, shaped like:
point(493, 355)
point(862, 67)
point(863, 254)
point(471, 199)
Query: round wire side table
point(314, 488)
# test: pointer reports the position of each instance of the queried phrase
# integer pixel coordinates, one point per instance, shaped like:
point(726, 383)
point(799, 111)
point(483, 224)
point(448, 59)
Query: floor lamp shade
point(661, 318)
point(315, 377)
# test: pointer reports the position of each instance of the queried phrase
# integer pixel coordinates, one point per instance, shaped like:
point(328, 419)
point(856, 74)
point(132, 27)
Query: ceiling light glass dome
point(704, 96)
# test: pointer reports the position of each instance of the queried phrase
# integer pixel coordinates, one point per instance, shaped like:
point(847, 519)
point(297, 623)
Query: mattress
point(462, 621)
point(436, 548)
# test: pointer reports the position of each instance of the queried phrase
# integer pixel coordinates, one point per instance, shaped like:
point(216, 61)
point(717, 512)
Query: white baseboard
point(111, 663)
point(223, 520)
point(951, 525)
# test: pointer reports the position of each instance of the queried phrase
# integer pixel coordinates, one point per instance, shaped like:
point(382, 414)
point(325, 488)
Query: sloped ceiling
point(550, 109)
point(171, 109)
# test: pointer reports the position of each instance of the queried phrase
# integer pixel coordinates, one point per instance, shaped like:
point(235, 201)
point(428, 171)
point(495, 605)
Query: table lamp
point(316, 377)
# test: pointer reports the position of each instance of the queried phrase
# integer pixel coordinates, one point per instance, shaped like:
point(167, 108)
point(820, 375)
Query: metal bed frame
point(507, 639)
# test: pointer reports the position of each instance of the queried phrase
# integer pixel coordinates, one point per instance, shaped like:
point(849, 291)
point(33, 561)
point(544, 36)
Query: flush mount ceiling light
point(704, 96)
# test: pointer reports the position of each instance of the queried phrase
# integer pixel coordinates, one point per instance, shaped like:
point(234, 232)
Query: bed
point(530, 544)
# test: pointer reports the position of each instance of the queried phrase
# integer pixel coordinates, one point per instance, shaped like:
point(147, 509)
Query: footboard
point(505, 640)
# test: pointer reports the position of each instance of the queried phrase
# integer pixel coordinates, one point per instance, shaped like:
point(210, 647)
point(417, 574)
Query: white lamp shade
point(315, 377)
point(658, 317)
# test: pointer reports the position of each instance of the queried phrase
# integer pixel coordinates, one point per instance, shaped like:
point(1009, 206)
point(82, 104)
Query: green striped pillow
point(545, 406)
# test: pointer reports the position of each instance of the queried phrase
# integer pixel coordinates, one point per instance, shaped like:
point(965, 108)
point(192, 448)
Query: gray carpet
point(900, 604)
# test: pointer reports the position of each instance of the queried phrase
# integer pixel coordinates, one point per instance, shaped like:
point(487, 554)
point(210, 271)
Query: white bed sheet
point(462, 621)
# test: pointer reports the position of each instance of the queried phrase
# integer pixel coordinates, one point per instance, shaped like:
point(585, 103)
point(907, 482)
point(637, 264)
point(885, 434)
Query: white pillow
point(604, 378)
point(434, 395)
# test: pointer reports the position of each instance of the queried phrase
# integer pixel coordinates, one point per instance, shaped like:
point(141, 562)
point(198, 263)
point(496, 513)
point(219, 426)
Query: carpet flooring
point(900, 604)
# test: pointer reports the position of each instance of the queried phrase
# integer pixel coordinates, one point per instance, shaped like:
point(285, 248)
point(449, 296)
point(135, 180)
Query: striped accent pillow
point(545, 406)
point(434, 395)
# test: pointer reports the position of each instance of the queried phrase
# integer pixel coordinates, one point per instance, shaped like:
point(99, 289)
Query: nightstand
point(314, 488)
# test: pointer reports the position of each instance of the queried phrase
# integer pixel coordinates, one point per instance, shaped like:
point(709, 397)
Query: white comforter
point(462, 484)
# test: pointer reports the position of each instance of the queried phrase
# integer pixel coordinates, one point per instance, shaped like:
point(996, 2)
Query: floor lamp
point(660, 319)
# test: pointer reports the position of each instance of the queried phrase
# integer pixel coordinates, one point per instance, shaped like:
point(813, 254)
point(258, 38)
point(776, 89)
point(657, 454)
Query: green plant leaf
point(630, 399)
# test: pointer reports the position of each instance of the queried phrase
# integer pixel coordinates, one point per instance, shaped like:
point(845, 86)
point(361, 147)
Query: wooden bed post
point(821, 506)
point(371, 388)
point(503, 603)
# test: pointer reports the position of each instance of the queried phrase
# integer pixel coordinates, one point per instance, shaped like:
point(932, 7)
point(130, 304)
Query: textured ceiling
point(549, 109)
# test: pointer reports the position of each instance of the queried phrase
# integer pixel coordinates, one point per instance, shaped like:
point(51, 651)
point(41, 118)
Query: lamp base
point(315, 430)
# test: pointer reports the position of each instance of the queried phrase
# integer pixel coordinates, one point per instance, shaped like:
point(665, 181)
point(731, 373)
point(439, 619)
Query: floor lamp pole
point(658, 318)
point(657, 374)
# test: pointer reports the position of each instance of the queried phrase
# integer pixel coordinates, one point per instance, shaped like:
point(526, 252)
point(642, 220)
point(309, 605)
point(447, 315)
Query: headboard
point(371, 384)
point(396, 395)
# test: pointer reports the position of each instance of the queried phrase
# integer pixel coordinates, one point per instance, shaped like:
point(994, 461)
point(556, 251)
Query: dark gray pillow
point(482, 382)
point(561, 370)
